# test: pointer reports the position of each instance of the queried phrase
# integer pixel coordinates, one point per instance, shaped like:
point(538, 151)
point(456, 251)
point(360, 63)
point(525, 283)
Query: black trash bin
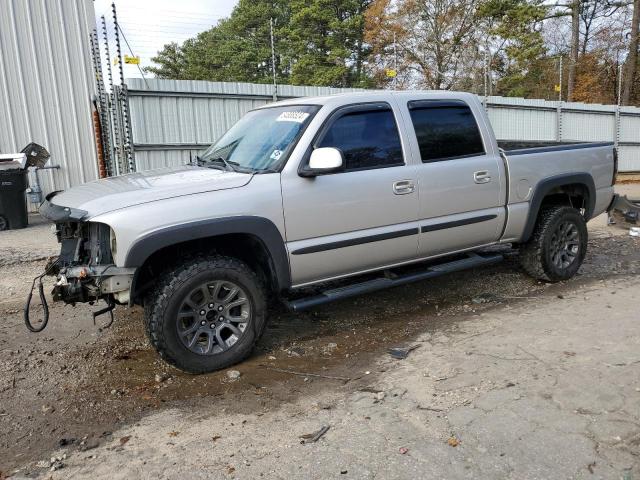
point(14, 183)
point(13, 203)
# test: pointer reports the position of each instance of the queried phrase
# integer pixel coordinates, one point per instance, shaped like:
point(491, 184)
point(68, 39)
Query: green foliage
point(318, 42)
point(514, 24)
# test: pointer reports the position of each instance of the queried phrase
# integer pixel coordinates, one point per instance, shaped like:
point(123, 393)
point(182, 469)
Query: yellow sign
point(131, 60)
point(556, 88)
point(391, 73)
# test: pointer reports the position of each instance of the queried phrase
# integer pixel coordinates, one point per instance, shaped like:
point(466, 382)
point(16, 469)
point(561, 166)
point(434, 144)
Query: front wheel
point(207, 314)
point(557, 246)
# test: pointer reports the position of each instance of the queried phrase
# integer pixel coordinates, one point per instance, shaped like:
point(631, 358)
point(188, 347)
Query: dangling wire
point(43, 301)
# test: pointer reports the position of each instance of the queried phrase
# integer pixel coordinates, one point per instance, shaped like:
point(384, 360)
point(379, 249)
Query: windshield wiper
point(226, 164)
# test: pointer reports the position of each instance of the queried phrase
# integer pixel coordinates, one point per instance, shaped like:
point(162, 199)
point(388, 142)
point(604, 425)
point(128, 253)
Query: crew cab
point(372, 189)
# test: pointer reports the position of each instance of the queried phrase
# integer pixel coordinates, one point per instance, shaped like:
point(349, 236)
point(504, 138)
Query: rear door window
point(445, 130)
point(367, 138)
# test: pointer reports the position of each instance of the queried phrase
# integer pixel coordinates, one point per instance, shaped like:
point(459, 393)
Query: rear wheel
point(557, 246)
point(207, 314)
point(4, 224)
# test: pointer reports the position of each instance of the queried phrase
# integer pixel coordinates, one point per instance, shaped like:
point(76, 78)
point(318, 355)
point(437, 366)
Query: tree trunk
point(632, 56)
point(575, 48)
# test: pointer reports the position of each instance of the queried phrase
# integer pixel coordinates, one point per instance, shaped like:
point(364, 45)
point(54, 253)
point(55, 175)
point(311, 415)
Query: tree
point(237, 49)
point(575, 47)
point(433, 38)
point(631, 63)
point(171, 62)
point(512, 41)
point(324, 40)
point(317, 42)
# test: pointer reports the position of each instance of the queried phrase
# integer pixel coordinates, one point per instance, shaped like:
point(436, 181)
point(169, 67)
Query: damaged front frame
point(91, 282)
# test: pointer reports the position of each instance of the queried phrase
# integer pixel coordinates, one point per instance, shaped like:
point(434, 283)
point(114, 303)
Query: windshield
point(260, 140)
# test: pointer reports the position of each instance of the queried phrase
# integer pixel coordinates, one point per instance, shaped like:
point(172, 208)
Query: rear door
point(460, 177)
point(363, 217)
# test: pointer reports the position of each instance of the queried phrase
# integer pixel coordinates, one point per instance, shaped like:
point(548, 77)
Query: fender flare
point(259, 227)
point(546, 185)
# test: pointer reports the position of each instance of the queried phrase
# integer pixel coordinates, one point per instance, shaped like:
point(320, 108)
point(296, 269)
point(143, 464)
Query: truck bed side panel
point(528, 168)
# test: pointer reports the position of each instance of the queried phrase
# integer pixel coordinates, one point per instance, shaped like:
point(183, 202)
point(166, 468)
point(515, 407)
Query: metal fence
point(172, 120)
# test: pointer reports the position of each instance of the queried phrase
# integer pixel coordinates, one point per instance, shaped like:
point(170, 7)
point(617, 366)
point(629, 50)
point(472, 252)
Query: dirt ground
point(511, 378)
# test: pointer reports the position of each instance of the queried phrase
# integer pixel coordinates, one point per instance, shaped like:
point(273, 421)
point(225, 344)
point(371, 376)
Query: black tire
point(544, 257)
point(176, 289)
point(4, 223)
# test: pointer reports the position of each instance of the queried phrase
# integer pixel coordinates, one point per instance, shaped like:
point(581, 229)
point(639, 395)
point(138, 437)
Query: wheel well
point(245, 247)
point(574, 195)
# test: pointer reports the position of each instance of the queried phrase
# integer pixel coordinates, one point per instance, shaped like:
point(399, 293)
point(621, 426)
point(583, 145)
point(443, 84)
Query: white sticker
point(275, 155)
point(297, 117)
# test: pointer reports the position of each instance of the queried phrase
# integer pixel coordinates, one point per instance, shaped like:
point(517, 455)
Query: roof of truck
point(370, 95)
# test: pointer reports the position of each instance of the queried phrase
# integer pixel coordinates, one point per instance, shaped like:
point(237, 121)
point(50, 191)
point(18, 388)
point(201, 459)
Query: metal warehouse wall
point(174, 119)
point(47, 85)
point(520, 119)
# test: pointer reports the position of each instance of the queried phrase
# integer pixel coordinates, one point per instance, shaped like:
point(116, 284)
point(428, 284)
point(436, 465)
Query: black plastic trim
point(259, 227)
point(545, 186)
point(58, 213)
point(456, 223)
point(356, 241)
point(435, 103)
point(557, 148)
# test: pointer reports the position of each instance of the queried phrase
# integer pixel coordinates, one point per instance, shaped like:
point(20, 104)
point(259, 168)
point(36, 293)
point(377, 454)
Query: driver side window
point(367, 139)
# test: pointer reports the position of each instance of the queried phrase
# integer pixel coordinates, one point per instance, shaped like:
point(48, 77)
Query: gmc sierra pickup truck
point(308, 191)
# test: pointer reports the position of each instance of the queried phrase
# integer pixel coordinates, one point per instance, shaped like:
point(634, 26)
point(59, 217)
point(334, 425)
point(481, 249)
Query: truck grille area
point(83, 243)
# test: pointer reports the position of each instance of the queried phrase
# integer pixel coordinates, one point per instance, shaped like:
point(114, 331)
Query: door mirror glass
point(324, 160)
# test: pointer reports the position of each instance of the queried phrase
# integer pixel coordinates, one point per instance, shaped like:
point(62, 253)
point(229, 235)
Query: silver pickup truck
point(304, 192)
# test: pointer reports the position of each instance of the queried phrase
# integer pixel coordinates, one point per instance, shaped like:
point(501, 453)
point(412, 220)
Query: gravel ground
point(512, 378)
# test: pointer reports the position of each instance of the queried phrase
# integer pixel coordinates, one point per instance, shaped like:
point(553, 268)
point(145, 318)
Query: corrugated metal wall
point(174, 119)
point(47, 85)
point(520, 119)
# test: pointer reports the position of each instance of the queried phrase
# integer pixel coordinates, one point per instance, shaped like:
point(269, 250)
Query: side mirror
point(323, 160)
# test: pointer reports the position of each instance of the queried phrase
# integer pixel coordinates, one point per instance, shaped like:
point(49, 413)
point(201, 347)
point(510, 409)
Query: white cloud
point(150, 24)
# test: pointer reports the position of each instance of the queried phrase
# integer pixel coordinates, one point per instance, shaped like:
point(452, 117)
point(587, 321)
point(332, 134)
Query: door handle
point(481, 176)
point(403, 187)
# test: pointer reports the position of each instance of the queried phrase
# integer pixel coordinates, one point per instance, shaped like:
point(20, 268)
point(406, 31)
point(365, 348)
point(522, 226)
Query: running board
point(472, 260)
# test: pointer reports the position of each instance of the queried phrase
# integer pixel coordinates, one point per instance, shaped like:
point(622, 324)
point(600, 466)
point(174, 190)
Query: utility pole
point(273, 62)
point(560, 79)
point(395, 62)
point(620, 70)
point(575, 44)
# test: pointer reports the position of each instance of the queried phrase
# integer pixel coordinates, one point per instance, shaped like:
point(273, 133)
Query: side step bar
point(472, 260)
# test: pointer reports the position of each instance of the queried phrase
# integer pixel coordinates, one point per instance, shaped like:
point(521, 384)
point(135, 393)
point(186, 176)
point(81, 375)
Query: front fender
point(261, 228)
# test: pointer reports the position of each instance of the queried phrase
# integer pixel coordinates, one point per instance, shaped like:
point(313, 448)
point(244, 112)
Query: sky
point(147, 25)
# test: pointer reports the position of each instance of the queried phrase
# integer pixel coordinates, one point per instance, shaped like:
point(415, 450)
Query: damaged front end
point(85, 268)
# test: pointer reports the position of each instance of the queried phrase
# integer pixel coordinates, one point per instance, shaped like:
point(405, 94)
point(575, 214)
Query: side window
point(367, 139)
point(445, 130)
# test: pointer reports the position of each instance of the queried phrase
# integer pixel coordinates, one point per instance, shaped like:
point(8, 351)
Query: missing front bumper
point(86, 283)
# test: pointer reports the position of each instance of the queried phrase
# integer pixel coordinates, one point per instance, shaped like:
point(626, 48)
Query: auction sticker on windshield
point(297, 117)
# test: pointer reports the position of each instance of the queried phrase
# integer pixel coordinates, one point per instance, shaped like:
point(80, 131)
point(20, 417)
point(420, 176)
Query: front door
point(362, 217)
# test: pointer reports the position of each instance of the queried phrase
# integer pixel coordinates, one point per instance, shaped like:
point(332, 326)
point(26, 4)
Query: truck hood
point(108, 194)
